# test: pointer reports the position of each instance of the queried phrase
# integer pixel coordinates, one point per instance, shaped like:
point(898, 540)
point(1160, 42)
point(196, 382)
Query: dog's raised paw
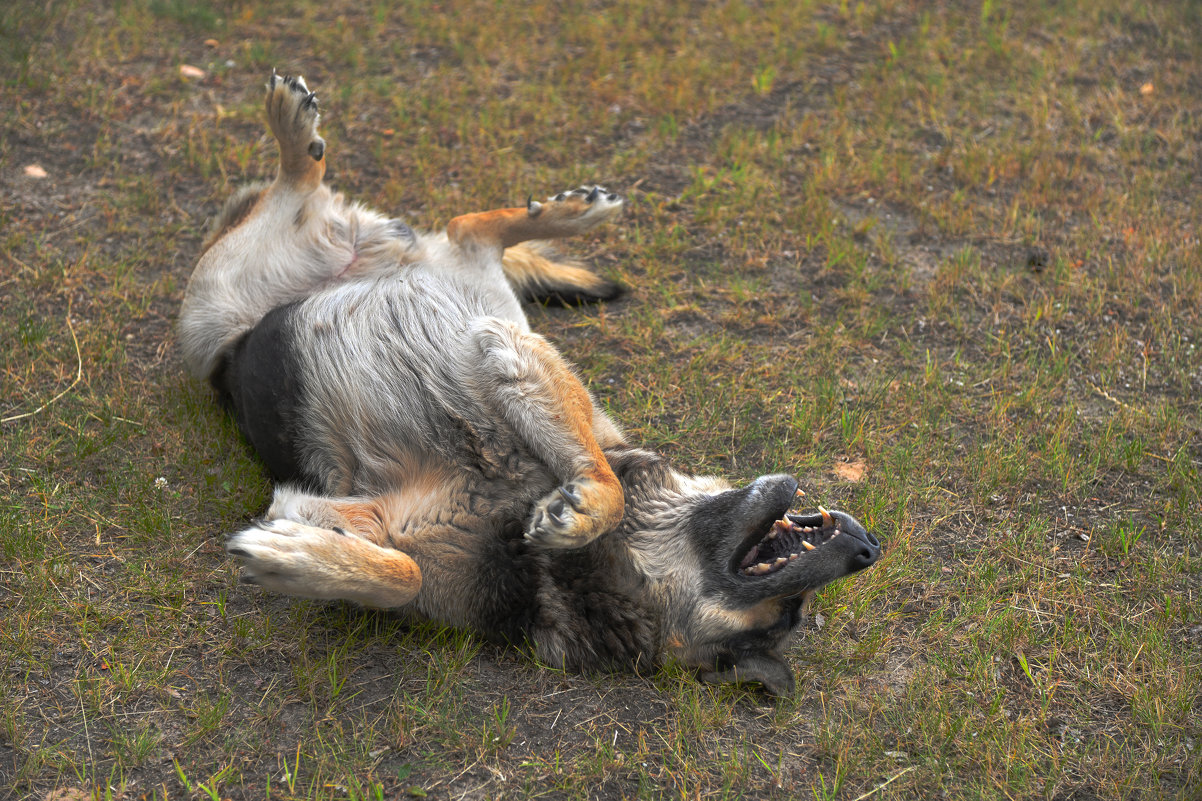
point(596, 199)
point(590, 194)
point(292, 115)
point(584, 207)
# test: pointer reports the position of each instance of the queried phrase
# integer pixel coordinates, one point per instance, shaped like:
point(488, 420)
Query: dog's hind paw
point(566, 214)
point(292, 115)
point(585, 207)
point(311, 562)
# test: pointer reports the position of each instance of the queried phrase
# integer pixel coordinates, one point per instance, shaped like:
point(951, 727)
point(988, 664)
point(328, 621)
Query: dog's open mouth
point(788, 539)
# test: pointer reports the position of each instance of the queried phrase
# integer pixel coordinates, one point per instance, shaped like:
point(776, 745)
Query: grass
point(952, 245)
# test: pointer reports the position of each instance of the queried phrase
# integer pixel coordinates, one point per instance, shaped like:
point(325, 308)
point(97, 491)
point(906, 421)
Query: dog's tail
point(539, 274)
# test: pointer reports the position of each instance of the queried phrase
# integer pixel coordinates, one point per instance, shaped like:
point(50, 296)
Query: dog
point(432, 455)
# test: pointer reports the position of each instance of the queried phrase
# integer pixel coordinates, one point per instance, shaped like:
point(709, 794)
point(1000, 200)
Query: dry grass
point(952, 246)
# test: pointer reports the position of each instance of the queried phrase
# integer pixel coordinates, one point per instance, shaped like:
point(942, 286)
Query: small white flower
point(160, 483)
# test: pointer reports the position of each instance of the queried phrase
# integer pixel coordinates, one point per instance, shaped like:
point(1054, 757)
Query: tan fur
point(530, 266)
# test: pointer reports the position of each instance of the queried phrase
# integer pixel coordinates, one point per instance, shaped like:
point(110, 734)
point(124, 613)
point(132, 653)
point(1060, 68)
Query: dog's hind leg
point(566, 214)
point(310, 561)
point(359, 515)
point(538, 395)
point(271, 243)
point(292, 116)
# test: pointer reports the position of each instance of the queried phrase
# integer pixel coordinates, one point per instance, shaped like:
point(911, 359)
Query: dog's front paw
point(575, 514)
point(585, 206)
point(292, 115)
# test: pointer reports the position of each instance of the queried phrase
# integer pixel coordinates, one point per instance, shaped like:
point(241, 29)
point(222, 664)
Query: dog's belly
point(345, 390)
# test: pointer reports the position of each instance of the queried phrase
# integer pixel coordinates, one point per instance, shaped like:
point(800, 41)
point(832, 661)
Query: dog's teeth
point(762, 568)
point(826, 517)
point(780, 560)
point(805, 544)
point(793, 556)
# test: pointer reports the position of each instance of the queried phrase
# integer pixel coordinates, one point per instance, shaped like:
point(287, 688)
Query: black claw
point(560, 197)
point(591, 196)
point(317, 149)
point(274, 79)
point(248, 580)
point(338, 530)
point(612, 197)
point(310, 100)
point(238, 552)
point(570, 494)
point(555, 510)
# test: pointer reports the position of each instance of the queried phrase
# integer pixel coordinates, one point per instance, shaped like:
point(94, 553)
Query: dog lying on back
point(433, 455)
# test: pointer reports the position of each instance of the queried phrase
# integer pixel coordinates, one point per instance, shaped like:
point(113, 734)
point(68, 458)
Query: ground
point(939, 260)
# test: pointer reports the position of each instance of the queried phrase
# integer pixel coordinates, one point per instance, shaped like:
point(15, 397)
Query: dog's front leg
point(543, 401)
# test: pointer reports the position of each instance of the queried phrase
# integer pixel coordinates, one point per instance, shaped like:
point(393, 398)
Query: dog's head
point(731, 567)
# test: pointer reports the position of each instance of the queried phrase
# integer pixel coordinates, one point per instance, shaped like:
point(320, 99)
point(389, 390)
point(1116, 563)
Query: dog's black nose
point(867, 549)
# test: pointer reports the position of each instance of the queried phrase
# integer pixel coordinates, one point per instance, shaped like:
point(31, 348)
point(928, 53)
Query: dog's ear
point(763, 668)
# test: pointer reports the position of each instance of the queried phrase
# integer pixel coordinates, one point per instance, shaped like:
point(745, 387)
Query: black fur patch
point(584, 599)
point(572, 295)
point(589, 599)
point(260, 381)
